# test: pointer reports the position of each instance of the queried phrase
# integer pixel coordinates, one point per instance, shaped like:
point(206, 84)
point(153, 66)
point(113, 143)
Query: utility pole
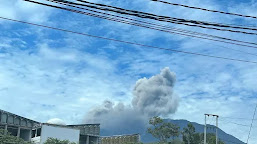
point(217, 140)
point(205, 128)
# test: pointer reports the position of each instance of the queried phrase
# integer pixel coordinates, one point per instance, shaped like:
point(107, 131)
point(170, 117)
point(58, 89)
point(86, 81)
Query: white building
point(37, 132)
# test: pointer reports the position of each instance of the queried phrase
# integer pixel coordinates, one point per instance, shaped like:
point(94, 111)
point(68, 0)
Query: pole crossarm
point(212, 115)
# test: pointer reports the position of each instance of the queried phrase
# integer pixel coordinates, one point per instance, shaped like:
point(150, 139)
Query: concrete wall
point(17, 125)
point(61, 133)
point(11, 119)
point(88, 129)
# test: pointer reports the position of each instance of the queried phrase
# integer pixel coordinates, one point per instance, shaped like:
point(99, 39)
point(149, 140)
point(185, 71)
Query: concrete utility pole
point(205, 128)
point(217, 140)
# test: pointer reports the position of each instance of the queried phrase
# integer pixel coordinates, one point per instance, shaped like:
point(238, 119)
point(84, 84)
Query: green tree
point(57, 141)
point(189, 135)
point(211, 138)
point(7, 138)
point(162, 130)
point(176, 141)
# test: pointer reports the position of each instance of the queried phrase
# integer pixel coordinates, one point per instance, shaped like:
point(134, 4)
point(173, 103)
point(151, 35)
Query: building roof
point(39, 124)
point(62, 126)
point(83, 124)
point(2, 111)
point(121, 135)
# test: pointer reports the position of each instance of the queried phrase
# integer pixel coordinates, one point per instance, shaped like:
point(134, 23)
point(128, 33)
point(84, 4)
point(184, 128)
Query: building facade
point(30, 130)
point(17, 125)
point(89, 133)
point(27, 129)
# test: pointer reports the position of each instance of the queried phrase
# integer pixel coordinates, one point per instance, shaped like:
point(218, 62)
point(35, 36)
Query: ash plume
point(154, 96)
point(151, 97)
point(116, 117)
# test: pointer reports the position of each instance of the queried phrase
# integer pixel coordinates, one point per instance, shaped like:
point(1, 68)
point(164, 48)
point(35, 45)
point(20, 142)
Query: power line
point(67, 3)
point(140, 25)
point(251, 124)
point(200, 24)
point(127, 42)
point(204, 9)
point(72, 4)
point(236, 118)
point(133, 11)
point(236, 123)
point(146, 13)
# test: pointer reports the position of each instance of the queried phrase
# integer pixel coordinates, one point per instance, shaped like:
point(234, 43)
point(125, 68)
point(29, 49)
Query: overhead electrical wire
point(72, 4)
point(103, 5)
point(204, 9)
point(236, 118)
point(136, 24)
point(163, 26)
point(251, 124)
point(173, 20)
point(236, 123)
point(131, 43)
point(109, 6)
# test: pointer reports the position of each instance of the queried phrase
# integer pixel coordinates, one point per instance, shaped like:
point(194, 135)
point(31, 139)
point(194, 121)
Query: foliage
point(176, 141)
point(189, 136)
point(57, 141)
point(211, 138)
point(7, 138)
point(162, 130)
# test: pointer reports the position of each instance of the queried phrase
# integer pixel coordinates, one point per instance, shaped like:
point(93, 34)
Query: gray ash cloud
point(151, 97)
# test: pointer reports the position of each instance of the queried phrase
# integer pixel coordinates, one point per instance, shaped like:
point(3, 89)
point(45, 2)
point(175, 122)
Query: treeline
point(170, 133)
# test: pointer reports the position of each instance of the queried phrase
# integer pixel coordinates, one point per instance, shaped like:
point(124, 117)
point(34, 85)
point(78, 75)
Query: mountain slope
point(145, 137)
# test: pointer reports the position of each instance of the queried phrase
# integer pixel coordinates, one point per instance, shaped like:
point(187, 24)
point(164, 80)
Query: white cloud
point(22, 10)
point(50, 81)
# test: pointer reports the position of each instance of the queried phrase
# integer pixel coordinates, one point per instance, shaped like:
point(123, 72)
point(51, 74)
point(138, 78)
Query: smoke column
point(151, 97)
point(154, 96)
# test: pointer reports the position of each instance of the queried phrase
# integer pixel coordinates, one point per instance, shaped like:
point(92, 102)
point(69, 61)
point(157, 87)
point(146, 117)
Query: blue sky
point(48, 74)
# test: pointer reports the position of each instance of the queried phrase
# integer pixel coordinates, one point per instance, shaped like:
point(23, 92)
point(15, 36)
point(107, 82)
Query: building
point(42, 132)
point(38, 132)
point(17, 125)
point(89, 133)
point(120, 139)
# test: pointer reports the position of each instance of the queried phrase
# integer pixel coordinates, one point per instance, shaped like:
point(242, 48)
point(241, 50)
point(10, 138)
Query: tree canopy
point(7, 138)
point(162, 130)
point(189, 136)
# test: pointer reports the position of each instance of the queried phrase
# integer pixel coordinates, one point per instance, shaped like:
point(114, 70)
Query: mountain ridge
point(146, 137)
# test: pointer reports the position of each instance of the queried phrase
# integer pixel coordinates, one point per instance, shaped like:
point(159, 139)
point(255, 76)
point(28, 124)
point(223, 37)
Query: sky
point(47, 74)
